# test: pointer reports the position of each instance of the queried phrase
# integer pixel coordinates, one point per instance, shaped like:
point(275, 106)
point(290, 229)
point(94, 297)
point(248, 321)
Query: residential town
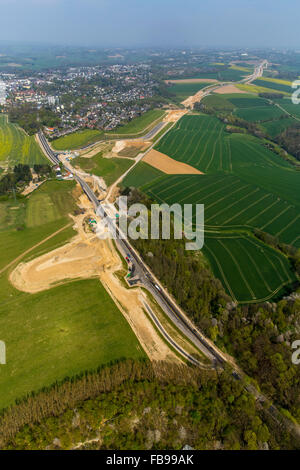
point(98, 97)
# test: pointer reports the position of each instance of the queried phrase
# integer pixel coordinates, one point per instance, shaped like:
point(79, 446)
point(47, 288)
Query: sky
point(159, 23)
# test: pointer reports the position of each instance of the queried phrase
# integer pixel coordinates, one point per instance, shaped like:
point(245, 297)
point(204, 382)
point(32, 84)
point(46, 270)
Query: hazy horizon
point(140, 23)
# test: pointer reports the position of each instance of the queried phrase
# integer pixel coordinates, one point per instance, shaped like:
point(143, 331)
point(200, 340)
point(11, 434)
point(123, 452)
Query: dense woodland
point(32, 119)
point(20, 175)
point(289, 139)
point(142, 405)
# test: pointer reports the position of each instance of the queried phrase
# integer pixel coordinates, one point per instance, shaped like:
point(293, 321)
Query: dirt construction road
point(86, 256)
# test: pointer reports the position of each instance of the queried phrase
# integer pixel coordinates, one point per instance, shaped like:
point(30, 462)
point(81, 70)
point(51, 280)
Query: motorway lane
point(147, 278)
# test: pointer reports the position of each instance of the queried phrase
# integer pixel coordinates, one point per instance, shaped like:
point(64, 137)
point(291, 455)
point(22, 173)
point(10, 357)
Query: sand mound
point(168, 165)
point(174, 115)
point(77, 259)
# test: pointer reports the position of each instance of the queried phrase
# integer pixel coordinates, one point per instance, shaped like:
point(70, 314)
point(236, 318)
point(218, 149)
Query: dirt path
point(33, 247)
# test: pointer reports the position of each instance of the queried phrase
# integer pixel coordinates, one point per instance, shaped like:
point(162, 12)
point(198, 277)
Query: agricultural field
point(184, 90)
point(274, 85)
point(77, 140)
point(52, 201)
point(110, 169)
point(24, 222)
point(274, 128)
point(230, 203)
point(218, 102)
point(275, 116)
point(221, 72)
point(247, 101)
point(250, 271)
point(57, 333)
point(139, 125)
point(245, 187)
point(202, 142)
point(259, 88)
point(260, 113)
point(141, 174)
point(62, 331)
point(289, 107)
point(16, 146)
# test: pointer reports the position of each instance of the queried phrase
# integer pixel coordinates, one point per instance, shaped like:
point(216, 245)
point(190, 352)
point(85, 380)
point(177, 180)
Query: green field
point(230, 203)
point(77, 140)
point(274, 85)
point(273, 115)
point(108, 168)
point(260, 113)
point(62, 331)
point(139, 125)
point(222, 74)
point(246, 101)
point(287, 104)
point(57, 333)
point(184, 90)
point(245, 187)
point(141, 174)
point(274, 128)
point(16, 146)
point(218, 102)
point(249, 270)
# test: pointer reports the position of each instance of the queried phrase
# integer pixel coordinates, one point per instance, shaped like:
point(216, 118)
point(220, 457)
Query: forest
point(141, 405)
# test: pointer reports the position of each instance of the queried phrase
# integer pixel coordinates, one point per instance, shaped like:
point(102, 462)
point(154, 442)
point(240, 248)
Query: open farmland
point(274, 128)
point(260, 113)
point(230, 203)
point(77, 139)
point(62, 331)
point(289, 107)
point(245, 187)
point(274, 85)
point(275, 116)
point(233, 207)
point(183, 90)
point(16, 146)
point(218, 102)
point(202, 142)
point(249, 270)
point(57, 333)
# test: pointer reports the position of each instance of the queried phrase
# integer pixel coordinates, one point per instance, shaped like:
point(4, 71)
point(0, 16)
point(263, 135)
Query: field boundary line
point(255, 265)
point(208, 195)
point(275, 218)
point(224, 197)
point(287, 226)
point(218, 139)
point(295, 239)
point(246, 208)
point(270, 260)
point(234, 203)
point(222, 273)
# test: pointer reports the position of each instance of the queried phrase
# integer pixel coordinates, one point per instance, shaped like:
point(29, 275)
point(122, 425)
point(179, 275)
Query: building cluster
point(97, 97)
